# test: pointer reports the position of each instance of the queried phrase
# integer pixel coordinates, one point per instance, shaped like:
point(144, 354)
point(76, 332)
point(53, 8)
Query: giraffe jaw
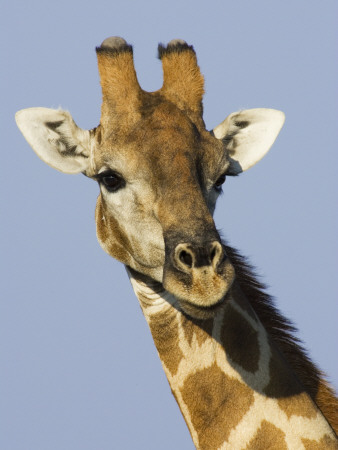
point(203, 312)
point(152, 294)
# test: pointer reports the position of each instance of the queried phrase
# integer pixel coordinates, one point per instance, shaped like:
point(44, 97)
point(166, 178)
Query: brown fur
point(210, 390)
point(183, 83)
point(282, 333)
point(190, 330)
point(325, 444)
point(166, 340)
point(117, 242)
point(268, 437)
point(121, 92)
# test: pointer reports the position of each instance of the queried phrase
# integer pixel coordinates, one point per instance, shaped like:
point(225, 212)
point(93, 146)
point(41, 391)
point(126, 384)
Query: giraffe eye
point(219, 182)
point(111, 181)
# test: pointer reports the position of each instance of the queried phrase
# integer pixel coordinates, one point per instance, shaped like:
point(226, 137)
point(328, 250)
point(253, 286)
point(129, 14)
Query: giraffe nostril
point(186, 258)
point(216, 254)
point(213, 254)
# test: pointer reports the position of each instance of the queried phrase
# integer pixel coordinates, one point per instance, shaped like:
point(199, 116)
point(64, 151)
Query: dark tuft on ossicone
point(114, 45)
point(174, 46)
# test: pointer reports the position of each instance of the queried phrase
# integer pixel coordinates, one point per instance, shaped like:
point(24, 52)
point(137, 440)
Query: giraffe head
point(159, 170)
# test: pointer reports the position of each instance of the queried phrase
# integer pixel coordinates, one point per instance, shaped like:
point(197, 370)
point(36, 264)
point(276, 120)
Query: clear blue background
point(78, 366)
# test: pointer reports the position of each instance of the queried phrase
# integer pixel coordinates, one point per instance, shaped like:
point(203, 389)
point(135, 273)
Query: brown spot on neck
point(283, 383)
point(298, 405)
point(216, 404)
point(328, 404)
point(268, 437)
point(326, 443)
point(200, 329)
point(240, 340)
point(164, 329)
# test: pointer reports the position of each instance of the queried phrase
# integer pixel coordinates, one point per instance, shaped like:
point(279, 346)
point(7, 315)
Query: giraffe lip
point(212, 307)
point(200, 311)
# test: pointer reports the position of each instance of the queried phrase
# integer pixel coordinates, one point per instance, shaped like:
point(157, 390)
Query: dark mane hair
point(282, 331)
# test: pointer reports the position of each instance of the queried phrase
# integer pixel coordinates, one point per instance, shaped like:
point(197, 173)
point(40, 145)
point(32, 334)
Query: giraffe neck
point(234, 388)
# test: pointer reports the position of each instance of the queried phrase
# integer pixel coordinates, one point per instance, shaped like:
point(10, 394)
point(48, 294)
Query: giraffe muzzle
point(199, 275)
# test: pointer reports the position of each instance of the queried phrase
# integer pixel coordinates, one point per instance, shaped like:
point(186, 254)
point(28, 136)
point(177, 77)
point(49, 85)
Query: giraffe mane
point(283, 333)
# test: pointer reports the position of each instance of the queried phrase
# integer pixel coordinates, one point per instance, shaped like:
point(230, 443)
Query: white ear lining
point(248, 135)
point(55, 138)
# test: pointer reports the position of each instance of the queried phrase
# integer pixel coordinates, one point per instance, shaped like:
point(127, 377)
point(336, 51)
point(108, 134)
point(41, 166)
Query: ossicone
point(183, 83)
point(121, 91)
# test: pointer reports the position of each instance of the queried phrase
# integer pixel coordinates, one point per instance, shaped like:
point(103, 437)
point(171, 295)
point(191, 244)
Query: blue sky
point(78, 366)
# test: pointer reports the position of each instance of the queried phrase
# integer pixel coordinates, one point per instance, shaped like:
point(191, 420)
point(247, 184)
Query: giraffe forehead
point(160, 129)
point(159, 146)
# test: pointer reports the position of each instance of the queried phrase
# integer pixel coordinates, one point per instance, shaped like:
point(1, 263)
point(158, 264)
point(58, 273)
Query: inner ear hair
point(65, 143)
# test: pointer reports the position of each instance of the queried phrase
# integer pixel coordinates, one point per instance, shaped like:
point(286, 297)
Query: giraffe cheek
point(109, 235)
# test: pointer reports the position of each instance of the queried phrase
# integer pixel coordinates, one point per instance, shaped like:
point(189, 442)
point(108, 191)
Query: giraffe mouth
point(201, 292)
point(203, 312)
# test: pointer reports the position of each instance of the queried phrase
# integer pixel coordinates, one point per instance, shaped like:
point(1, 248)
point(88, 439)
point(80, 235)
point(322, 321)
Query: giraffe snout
point(188, 257)
point(198, 273)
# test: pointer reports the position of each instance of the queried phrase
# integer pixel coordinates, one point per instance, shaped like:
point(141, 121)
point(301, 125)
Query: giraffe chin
point(203, 312)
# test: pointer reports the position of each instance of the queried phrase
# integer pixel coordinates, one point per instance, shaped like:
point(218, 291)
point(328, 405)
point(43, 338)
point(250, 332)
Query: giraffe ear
point(55, 138)
point(248, 136)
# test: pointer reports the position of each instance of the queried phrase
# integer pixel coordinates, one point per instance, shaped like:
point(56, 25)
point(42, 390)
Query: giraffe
point(238, 374)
